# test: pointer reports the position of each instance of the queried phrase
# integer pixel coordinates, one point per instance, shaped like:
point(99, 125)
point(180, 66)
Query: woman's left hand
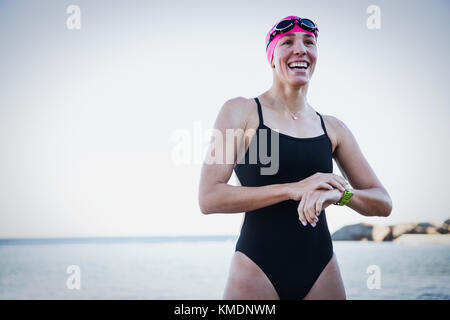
point(313, 202)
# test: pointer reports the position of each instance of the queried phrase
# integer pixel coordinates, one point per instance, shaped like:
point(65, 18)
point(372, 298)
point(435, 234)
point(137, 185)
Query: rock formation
point(365, 231)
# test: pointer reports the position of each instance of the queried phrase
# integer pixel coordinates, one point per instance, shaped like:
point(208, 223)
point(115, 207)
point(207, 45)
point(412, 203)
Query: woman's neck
point(285, 97)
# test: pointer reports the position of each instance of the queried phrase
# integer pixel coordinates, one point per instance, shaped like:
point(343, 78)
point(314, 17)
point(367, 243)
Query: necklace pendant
point(294, 117)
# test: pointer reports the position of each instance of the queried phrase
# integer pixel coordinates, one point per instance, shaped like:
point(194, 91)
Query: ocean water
point(197, 268)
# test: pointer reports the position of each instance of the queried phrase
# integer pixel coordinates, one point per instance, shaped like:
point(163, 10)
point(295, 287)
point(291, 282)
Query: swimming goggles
point(286, 25)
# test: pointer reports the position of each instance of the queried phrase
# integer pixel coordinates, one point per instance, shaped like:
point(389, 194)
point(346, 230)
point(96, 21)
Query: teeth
point(298, 64)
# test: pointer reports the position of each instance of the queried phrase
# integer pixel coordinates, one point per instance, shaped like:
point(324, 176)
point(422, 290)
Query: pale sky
point(89, 117)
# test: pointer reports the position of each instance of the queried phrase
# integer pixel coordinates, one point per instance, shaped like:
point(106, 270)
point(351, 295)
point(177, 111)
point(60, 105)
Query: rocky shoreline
point(371, 232)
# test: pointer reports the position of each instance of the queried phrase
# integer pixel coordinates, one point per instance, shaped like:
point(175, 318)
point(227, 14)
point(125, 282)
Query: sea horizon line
point(115, 239)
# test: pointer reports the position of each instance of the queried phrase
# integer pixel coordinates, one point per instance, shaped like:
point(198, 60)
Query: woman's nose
point(299, 48)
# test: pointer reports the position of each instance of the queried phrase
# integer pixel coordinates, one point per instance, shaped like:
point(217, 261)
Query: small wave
point(433, 296)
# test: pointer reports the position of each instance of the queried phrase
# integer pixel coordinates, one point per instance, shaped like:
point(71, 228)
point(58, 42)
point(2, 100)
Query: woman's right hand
point(319, 180)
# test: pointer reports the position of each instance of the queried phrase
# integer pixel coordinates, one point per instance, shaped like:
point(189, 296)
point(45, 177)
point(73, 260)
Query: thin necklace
point(294, 117)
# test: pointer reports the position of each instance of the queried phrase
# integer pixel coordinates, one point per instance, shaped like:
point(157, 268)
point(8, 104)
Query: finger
point(341, 185)
point(325, 186)
point(301, 216)
point(319, 207)
point(309, 209)
point(304, 210)
point(342, 181)
point(305, 207)
point(333, 180)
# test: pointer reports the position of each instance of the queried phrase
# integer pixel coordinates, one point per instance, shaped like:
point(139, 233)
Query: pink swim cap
point(275, 40)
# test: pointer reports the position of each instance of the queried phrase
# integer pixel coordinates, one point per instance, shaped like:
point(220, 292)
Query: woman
point(284, 250)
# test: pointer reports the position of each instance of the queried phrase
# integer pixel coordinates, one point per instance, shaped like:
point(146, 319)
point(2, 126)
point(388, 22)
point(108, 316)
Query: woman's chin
point(298, 81)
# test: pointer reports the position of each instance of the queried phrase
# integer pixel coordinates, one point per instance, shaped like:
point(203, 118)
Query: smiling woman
point(284, 250)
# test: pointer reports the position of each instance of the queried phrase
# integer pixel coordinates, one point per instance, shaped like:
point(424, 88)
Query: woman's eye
point(309, 42)
point(289, 41)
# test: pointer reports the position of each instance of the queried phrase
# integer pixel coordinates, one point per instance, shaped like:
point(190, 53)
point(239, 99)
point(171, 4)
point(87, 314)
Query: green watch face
point(347, 195)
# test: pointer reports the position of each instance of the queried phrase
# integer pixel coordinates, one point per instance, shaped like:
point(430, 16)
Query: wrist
point(292, 191)
point(345, 196)
point(289, 191)
point(336, 195)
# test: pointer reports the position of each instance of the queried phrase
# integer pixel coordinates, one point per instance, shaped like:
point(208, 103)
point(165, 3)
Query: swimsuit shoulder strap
point(323, 123)
point(261, 120)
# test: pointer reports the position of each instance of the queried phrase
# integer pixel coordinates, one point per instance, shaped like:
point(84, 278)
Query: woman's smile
point(300, 70)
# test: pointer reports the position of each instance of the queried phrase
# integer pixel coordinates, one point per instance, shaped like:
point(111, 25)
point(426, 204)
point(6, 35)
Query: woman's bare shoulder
point(335, 128)
point(333, 121)
point(239, 105)
point(237, 111)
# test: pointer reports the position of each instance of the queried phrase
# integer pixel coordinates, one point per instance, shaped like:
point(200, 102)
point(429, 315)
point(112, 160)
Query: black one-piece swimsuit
point(291, 255)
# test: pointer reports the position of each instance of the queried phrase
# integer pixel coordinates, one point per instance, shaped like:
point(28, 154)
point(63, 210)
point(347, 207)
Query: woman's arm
point(215, 195)
point(370, 197)
point(224, 198)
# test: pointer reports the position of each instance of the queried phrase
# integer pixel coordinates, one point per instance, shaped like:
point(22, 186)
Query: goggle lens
point(285, 24)
point(308, 23)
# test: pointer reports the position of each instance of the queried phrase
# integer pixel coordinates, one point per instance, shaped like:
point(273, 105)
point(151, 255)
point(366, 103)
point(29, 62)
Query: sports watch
point(348, 193)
